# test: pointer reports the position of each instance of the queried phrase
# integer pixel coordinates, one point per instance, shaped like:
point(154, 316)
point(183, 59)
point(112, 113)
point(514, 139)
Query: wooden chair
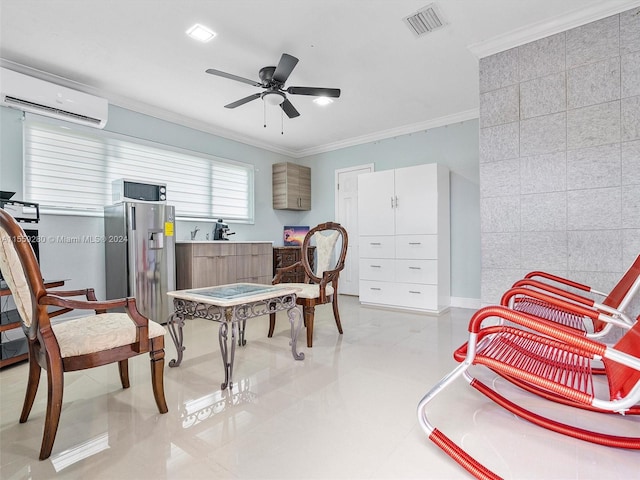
point(613, 306)
point(320, 286)
point(76, 344)
point(546, 359)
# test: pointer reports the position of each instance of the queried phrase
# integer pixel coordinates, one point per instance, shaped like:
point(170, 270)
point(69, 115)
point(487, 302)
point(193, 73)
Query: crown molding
point(145, 109)
point(188, 122)
point(550, 27)
point(393, 132)
point(169, 116)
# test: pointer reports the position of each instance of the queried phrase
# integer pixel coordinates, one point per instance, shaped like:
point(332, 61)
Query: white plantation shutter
point(63, 170)
point(71, 170)
point(228, 190)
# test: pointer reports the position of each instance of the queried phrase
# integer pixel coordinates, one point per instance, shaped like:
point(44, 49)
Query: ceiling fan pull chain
point(264, 105)
point(281, 122)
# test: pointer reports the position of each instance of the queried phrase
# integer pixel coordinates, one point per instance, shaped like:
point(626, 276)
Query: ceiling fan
point(272, 79)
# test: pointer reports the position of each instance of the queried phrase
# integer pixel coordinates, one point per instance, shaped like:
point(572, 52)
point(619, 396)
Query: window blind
point(71, 170)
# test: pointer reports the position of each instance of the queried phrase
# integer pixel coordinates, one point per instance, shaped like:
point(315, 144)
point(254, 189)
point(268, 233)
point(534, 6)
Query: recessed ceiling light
point(201, 33)
point(323, 100)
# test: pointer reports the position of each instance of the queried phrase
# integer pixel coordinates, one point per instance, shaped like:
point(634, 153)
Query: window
point(71, 170)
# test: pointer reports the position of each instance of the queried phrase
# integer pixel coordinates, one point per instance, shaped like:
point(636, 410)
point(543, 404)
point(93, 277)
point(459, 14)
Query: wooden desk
point(285, 256)
point(5, 292)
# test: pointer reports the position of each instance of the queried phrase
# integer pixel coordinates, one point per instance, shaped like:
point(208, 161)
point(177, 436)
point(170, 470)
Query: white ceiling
point(136, 54)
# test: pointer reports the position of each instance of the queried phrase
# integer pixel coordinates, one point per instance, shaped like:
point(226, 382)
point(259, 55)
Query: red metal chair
point(546, 359)
point(613, 306)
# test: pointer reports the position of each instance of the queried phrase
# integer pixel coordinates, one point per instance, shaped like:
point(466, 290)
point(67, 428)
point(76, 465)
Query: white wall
point(83, 264)
point(560, 156)
point(456, 146)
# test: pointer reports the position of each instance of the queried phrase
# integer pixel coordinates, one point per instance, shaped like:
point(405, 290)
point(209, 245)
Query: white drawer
point(379, 246)
point(377, 269)
point(417, 246)
point(376, 292)
point(417, 296)
point(416, 271)
point(403, 295)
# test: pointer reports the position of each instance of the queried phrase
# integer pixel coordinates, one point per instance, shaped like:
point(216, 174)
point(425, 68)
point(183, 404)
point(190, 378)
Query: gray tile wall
point(560, 156)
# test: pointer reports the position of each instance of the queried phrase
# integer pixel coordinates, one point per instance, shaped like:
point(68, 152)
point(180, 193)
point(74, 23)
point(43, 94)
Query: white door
point(347, 216)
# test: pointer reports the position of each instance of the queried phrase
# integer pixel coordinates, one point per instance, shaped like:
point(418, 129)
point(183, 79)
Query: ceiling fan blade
point(289, 109)
point(242, 101)
point(233, 77)
point(285, 67)
point(315, 91)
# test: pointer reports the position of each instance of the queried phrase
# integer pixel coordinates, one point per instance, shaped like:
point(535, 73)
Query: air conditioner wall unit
point(31, 94)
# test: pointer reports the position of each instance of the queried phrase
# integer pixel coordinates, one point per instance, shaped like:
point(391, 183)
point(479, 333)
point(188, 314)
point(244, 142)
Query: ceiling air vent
point(425, 20)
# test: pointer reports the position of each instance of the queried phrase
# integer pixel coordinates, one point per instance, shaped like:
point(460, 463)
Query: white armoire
point(403, 222)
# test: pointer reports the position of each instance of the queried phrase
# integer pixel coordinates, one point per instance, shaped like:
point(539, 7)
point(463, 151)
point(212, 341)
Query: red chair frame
point(549, 360)
point(613, 306)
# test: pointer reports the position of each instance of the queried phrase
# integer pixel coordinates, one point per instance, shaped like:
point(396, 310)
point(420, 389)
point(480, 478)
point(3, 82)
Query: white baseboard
point(462, 302)
point(396, 308)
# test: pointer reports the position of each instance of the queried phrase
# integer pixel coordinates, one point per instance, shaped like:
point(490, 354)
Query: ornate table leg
point(241, 328)
point(224, 341)
point(295, 318)
point(234, 329)
point(175, 324)
point(223, 338)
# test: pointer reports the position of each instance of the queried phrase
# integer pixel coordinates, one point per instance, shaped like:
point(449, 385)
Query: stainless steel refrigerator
point(140, 255)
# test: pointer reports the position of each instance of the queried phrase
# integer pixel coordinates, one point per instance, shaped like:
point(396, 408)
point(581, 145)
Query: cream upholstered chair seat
point(308, 290)
point(96, 333)
point(320, 283)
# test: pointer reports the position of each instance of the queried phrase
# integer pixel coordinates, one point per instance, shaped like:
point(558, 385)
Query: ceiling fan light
point(323, 101)
point(201, 33)
point(273, 98)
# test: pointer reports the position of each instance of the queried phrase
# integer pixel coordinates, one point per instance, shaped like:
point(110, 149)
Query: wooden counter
point(211, 263)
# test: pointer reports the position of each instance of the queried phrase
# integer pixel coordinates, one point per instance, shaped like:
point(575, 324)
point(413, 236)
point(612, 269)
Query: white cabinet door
point(375, 197)
point(416, 204)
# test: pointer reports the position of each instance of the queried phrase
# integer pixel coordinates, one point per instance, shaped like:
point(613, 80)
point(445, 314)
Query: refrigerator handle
point(132, 252)
point(133, 217)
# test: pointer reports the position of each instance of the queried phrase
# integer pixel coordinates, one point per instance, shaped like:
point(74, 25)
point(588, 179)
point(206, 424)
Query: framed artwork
point(294, 235)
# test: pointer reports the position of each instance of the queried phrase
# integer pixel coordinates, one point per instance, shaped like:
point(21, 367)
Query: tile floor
point(348, 411)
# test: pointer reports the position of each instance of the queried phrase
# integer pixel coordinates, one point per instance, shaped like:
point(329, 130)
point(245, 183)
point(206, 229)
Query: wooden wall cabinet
point(207, 264)
point(291, 185)
point(285, 256)
point(403, 223)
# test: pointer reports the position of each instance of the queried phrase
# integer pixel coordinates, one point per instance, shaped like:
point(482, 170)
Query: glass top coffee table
point(232, 304)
